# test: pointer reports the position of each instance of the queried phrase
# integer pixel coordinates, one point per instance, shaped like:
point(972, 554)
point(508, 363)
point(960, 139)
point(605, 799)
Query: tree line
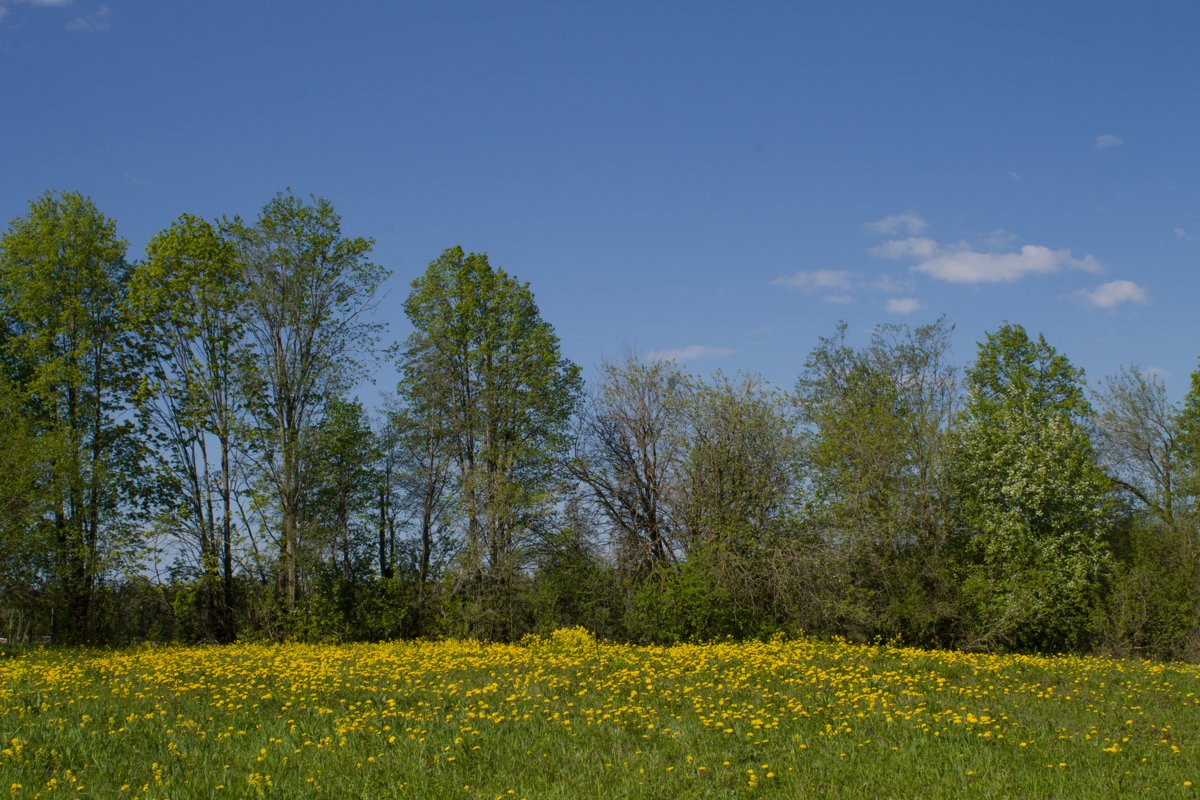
point(182, 458)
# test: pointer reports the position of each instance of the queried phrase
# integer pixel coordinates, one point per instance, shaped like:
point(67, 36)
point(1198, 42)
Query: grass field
point(567, 717)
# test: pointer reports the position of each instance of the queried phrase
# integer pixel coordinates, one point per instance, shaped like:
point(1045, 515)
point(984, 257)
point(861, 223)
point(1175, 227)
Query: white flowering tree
point(1033, 502)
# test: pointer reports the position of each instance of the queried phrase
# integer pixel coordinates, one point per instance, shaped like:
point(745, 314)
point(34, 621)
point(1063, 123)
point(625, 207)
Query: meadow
point(566, 716)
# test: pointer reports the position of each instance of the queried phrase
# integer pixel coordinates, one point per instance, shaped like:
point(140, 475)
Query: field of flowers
point(566, 716)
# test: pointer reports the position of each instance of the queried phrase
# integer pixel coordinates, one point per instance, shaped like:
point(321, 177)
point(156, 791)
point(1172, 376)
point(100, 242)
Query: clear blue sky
point(719, 181)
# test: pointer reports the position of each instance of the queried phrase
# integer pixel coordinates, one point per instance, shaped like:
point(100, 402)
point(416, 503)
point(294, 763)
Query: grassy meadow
point(566, 717)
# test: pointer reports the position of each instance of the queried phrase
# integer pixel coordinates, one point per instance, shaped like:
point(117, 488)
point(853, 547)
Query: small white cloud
point(963, 265)
point(1113, 293)
point(912, 247)
point(999, 238)
point(809, 280)
point(903, 305)
point(1016, 176)
point(838, 286)
point(894, 223)
point(690, 353)
point(3, 12)
point(889, 285)
point(91, 23)
point(1183, 235)
point(1107, 141)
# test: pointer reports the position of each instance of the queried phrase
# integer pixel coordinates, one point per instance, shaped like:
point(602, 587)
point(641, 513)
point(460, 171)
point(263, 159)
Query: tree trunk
point(228, 632)
point(385, 566)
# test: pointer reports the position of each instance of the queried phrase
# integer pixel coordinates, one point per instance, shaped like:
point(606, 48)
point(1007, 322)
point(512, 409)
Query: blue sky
point(722, 182)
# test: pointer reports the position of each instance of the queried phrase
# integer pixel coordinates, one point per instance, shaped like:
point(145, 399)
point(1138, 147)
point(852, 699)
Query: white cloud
point(894, 223)
point(1113, 293)
point(999, 238)
point(837, 286)
point(90, 23)
point(889, 285)
point(1107, 141)
point(807, 281)
point(3, 12)
point(963, 265)
point(912, 247)
point(1183, 235)
point(689, 353)
point(903, 305)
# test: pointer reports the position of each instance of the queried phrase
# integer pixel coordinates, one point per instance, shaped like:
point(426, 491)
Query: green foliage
point(876, 457)
point(184, 303)
point(387, 609)
point(1189, 434)
point(572, 584)
point(712, 595)
point(739, 479)
point(677, 603)
point(201, 398)
point(308, 287)
point(339, 471)
point(62, 279)
point(1034, 504)
point(25, 541)
point(484, 369)
point(1151, 608)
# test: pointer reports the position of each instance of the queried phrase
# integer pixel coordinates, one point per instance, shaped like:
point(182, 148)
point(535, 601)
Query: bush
point(1151, 609)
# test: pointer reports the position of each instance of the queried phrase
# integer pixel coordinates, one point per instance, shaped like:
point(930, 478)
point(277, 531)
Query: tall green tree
point(62, 279)
point(482, 357)
point(184, 301)
point(1034, 503)
point(308, 290)
point(876, 443)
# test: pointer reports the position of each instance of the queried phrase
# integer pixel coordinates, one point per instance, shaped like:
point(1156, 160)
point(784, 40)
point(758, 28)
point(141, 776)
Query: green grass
point(567, 717)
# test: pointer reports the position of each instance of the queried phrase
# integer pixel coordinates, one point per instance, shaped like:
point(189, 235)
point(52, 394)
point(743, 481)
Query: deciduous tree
point(62, 278)
point(1034, 502)
point(1139, 441)
point(184, 302)
point(308, 288)
point(629, 451)
point(876, 443)
point(483, 362)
